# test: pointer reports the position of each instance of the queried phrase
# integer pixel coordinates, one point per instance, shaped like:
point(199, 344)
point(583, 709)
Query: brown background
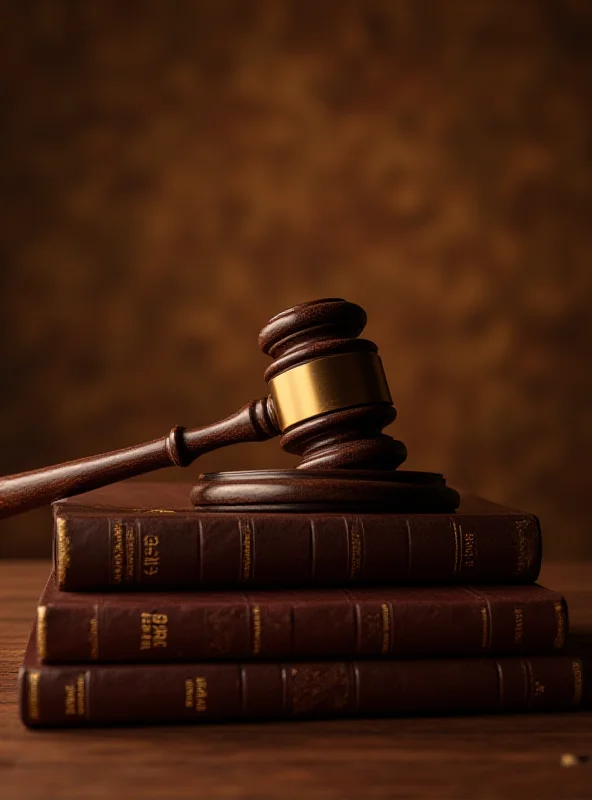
point(174, 173)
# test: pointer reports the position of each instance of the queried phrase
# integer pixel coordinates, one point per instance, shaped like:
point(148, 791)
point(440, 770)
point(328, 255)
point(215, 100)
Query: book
point(147, 536)
point(99, 694)
point(367, 622)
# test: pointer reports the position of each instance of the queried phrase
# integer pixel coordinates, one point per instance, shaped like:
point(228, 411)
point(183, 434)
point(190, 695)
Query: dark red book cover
point(147, 536)
point(363, 621)
point(102, 694)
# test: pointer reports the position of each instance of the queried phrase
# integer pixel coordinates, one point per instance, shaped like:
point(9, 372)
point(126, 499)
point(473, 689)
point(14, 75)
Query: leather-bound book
point(366, 622)
point(70, 695)
point(148, 536)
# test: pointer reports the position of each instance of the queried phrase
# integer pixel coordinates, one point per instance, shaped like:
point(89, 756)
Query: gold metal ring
point(328, 384)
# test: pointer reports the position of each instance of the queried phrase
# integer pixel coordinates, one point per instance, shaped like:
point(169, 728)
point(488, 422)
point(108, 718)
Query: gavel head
point(329, 394)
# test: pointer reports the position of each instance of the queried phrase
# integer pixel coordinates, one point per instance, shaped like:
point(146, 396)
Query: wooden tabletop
point(464, 757)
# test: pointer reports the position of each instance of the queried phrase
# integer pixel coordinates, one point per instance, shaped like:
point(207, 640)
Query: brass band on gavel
point(328, 384)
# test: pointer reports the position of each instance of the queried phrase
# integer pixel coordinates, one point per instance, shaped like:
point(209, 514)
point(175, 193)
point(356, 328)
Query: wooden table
point(467, 757)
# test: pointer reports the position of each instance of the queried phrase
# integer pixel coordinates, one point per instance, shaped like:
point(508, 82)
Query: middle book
point(378, 621)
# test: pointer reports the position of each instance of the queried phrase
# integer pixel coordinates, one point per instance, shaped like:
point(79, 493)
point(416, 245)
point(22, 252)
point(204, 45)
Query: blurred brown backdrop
point(174, 173)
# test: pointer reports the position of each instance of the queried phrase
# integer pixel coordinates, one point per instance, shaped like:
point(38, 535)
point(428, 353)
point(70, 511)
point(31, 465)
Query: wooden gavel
point(328, 399)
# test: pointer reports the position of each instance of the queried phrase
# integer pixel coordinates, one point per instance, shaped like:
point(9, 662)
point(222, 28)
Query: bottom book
point(106, 694)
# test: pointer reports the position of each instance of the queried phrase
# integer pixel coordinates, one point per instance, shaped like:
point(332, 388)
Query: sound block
point(339, 491)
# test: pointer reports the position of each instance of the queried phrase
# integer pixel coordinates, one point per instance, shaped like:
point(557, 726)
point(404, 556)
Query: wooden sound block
point(339, 491)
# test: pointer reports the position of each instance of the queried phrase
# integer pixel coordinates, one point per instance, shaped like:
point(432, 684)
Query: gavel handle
point(254, 422)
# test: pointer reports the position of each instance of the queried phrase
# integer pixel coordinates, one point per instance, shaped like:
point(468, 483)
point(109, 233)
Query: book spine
point(157, 628)
point(193, 550)
point(73, 696)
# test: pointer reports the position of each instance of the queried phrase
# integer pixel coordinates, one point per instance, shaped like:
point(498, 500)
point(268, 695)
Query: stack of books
point(158, 612)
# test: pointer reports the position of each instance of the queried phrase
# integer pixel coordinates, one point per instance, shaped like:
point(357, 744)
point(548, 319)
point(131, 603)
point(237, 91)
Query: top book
point(148, 536)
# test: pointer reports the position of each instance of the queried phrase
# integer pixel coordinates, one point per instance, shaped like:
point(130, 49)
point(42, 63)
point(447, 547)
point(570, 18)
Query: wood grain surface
point(464, 757)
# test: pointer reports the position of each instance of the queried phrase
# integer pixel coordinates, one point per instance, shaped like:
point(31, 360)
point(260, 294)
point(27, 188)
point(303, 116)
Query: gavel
point(328, 399)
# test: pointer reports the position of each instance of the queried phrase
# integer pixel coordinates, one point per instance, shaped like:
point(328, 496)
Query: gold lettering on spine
point(201, 694)
point(464, 548)
point(70, 700)
point(456, 529)
point(153, 630)
point(196, 694)
point(130, 552)
point(355, 543)
point(246, 532)
point(256, 624)
point(150, 554)
point(578, 681)
point(560, 635)
point(189, 693)
point(386, 627)
point(75, 696)
point(468, 549)
point(33, 678)
point(518, 625)
point(80, 694)
point(41, 632)
point(93, 635)
point(117, 552)
point(145, 631)
point(485, 629)
point(63, 554)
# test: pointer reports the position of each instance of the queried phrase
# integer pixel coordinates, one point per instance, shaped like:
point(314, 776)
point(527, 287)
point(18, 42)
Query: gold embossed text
point(196, 694)
point(154, 630)
point(150, 554)
point(518, 625)
point(117, 553)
